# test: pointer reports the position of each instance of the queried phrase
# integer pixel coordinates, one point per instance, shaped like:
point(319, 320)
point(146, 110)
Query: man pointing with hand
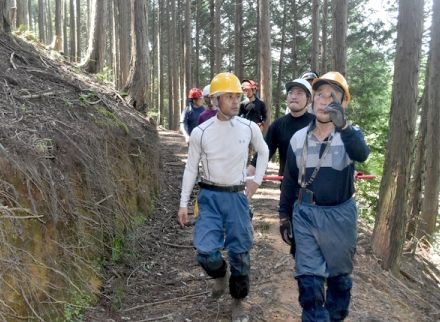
point(317, 199)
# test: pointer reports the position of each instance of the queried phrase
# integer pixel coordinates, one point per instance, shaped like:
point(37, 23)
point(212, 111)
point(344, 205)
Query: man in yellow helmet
point(317, 199)
point(221, 145)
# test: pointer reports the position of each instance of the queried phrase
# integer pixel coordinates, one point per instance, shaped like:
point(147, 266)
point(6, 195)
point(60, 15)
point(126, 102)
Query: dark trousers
point(331, 307)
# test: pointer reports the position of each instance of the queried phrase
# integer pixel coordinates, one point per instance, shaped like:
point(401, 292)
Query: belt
point(208, 186)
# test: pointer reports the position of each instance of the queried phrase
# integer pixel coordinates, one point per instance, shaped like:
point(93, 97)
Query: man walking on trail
point(253, 108)
point(221, 144)
point(317, 196)
point(189, 118)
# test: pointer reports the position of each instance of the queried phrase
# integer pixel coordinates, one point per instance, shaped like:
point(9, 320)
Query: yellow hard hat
point(225, 83)
point(335, 78)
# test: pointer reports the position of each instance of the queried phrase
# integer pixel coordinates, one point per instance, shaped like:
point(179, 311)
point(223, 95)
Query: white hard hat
point(301, 83)
point(206, 90)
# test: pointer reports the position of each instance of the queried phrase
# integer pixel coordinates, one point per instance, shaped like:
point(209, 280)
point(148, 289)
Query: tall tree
point(72, 26)
point(187, 48)
point(170, 27)
point(391, 220)
point(238, 54)
point(94, 61)
point(137, 83)
point(30, 15)
point(323, 66)
point(278, 88)
point(212, 38)
point(217, 35)
point(41, 21)
point(418, 167)
point(49, 29)
point(13, 13)
point(123, 40)
point(22, 14)
point(161, 70)
point(339, 35)
point(78, 30)
point(5, 25)
point(58, 25)
point(429, 211)
point(65, 23)
point(315, 35)
point(265, 57)
point(197, 44)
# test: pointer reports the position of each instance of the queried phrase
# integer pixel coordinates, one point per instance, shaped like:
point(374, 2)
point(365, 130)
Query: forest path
point(158, 278)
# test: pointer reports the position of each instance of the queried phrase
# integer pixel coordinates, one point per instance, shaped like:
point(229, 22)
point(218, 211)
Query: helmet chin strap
point(224, 115)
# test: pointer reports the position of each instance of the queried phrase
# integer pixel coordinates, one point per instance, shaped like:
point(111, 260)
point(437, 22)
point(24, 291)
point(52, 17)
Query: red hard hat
point(195, 93)
point(248, 84)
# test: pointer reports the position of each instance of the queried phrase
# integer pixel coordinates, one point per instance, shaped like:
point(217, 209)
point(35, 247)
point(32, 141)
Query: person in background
point(317, 198)
point(189, 118)
point(299, 95)
point(309, 77)
point(252, 108)
point(211, 108)
point(221, 145)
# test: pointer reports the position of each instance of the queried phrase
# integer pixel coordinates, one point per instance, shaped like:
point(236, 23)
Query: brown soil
point(159, 280)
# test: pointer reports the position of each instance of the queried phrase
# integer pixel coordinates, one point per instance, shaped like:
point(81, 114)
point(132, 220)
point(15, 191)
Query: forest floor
point(158, 278)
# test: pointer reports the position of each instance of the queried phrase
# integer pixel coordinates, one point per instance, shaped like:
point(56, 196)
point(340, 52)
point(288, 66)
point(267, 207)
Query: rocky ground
point(158, 278)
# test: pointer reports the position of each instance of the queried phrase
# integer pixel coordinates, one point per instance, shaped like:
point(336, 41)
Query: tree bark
point(49, 29)
point(58, 26)
point(279, 89)
point(123, 18)
point(22, 14)
point(170, 56)
point(78, 30)
point(72, 26)
point(391, 220)
point(238, 53)
point(197, 45)
point(41, 22)
point(431, 196)
point(187, 48)
point(339, 36)
point(30, 21)
point(418, 167)
point(217, 37)
point(161, 69)
point(5, 25)
point(65, 40)
point(137, 83)
point(265, 58)
point(13, 13)
point(323, 68)
point(94, 62)
point(211, 39)
point(315, 35)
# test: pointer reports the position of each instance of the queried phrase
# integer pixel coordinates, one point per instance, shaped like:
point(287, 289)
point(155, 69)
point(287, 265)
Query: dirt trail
point(158, 278)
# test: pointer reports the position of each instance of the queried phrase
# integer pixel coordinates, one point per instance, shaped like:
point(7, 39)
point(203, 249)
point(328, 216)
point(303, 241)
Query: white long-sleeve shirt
point(222, 148)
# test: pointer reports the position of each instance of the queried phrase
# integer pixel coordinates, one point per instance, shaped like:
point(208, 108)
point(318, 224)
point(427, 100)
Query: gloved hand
point(286, 231)
point(287, 234)
point(337, 114)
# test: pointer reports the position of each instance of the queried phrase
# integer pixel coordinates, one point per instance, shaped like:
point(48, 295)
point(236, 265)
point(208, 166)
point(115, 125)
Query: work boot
point(220, 285)
point(238, 312)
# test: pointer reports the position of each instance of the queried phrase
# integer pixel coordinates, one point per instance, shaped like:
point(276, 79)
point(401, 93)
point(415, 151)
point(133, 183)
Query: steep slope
point(78, 170)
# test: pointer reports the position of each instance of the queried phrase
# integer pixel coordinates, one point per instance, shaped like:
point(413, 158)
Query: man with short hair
point(317, 197)
point(221, 145)
point(253, 108)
